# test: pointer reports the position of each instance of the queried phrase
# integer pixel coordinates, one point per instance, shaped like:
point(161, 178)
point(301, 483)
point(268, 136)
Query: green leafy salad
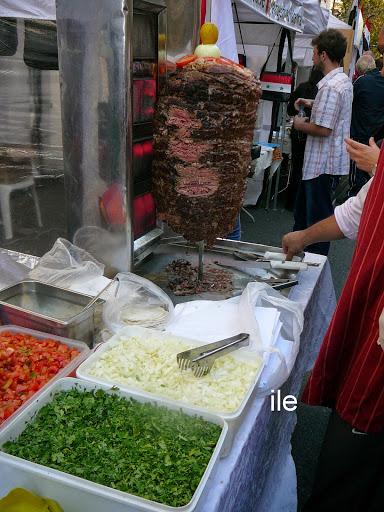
point(143, 449)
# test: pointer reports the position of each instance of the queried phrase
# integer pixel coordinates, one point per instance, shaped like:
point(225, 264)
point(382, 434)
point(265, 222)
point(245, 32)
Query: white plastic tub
point(77, 494)
point(64, 372)
point(233, 419)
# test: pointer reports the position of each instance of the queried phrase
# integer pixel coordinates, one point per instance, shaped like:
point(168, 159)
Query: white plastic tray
point(64, 372)
point(77, 494)
point(233, 420)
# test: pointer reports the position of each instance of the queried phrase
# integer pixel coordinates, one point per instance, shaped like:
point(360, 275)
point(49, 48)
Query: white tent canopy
point(259, 34)
point(315, 17)
point(302, 53)
point(250, 11)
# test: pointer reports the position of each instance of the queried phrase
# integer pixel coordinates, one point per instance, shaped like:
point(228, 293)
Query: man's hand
point(323, 231)
point(293, 243)
point(380, 341)
point(366, 157)
point(303, 101)
point(299, 122)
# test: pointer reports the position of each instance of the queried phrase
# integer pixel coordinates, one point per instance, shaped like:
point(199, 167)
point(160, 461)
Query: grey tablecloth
point(258, 475)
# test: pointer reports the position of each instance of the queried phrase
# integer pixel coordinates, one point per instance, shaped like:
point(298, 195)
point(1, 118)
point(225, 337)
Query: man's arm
point(301, 124)
point(323, 231)
point(325, 113)
point(344, 223)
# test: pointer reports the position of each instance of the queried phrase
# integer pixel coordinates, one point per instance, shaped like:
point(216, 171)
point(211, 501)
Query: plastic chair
point(15, 176)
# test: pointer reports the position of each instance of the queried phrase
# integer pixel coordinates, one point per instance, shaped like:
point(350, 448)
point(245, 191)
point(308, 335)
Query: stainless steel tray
point(50, 309)
point(153, 267)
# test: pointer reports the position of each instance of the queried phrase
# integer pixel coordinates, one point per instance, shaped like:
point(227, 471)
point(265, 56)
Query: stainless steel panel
point(50, 309)
point(95, 39)
point(95, 89)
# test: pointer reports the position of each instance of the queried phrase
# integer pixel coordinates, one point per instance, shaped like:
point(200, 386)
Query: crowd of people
point(335, 108)
point(348, 375)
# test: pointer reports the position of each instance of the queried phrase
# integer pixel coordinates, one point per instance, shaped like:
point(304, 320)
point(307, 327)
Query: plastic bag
point(137, 302)
point(66, 264)
point(260, 294)
point(283, 354)
point(109, 247)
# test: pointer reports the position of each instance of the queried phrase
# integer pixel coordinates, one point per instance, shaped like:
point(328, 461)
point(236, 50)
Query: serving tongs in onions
point(200, 359)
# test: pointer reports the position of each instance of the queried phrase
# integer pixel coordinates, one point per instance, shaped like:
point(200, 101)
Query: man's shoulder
point(338, 86)
point(340, 80)
point(372, 76)
point(371, 82)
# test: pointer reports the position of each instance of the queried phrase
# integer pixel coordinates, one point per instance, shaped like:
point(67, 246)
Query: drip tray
point(154, 267)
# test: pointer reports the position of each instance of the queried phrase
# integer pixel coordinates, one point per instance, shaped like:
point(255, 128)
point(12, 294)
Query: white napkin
point(208, 321)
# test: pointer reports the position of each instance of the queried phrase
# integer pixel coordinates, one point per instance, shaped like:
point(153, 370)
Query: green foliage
point(373, 10)
point(139, 448)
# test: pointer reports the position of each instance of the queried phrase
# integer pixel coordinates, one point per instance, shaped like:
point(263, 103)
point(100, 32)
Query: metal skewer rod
point(201, 260)
point(96, 298)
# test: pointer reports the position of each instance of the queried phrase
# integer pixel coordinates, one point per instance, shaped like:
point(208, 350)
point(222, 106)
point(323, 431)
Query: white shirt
point(331, 109)
point(348, 214)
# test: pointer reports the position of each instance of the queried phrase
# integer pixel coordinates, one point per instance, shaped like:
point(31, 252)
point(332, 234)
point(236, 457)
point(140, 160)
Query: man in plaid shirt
point(325, 152)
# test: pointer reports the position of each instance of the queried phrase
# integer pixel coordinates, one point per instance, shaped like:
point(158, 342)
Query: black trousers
point(298, 149)
point(357, 179)
point(314, 203)
point(350, 472)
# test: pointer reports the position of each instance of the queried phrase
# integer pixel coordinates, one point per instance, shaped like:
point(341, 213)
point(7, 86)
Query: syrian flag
point(276, 82)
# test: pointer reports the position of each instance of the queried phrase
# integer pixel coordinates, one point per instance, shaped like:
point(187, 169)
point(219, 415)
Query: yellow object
point(21, 500)
point(209, 33)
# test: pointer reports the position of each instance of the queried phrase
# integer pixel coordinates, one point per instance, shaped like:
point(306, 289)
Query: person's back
point(368, 106)
point(367, 113)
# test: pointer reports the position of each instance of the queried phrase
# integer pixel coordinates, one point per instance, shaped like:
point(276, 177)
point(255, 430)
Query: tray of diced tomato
point(28, 361)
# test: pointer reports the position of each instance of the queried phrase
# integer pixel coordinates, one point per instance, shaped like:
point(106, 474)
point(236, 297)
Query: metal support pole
point(201, 260)
point(282, 135)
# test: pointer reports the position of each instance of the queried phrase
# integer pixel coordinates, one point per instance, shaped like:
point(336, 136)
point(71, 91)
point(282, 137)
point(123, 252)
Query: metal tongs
point(201, 359)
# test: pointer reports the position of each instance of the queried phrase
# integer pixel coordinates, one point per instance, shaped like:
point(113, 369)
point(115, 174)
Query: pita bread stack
point(145, 316)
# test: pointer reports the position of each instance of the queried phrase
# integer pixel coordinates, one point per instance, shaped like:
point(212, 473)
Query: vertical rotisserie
point(202, 147)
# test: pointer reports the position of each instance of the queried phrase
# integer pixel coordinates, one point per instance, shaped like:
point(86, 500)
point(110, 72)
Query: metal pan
point(50, 309)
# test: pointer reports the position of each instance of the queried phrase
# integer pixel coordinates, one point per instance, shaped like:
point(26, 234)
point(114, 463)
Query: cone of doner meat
point(204, 124)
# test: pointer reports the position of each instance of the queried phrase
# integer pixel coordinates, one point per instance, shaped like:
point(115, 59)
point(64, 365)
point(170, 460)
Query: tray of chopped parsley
point(128, 443)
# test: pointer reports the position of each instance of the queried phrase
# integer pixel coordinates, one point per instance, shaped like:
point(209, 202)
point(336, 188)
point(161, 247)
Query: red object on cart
point(112, 205)
point(113, 211)
point(144, 214)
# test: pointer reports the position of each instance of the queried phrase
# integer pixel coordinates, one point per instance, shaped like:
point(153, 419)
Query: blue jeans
point(236, 233)
point(314, 203)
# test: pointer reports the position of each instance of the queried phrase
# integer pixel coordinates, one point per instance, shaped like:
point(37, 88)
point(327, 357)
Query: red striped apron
point(349, 372)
